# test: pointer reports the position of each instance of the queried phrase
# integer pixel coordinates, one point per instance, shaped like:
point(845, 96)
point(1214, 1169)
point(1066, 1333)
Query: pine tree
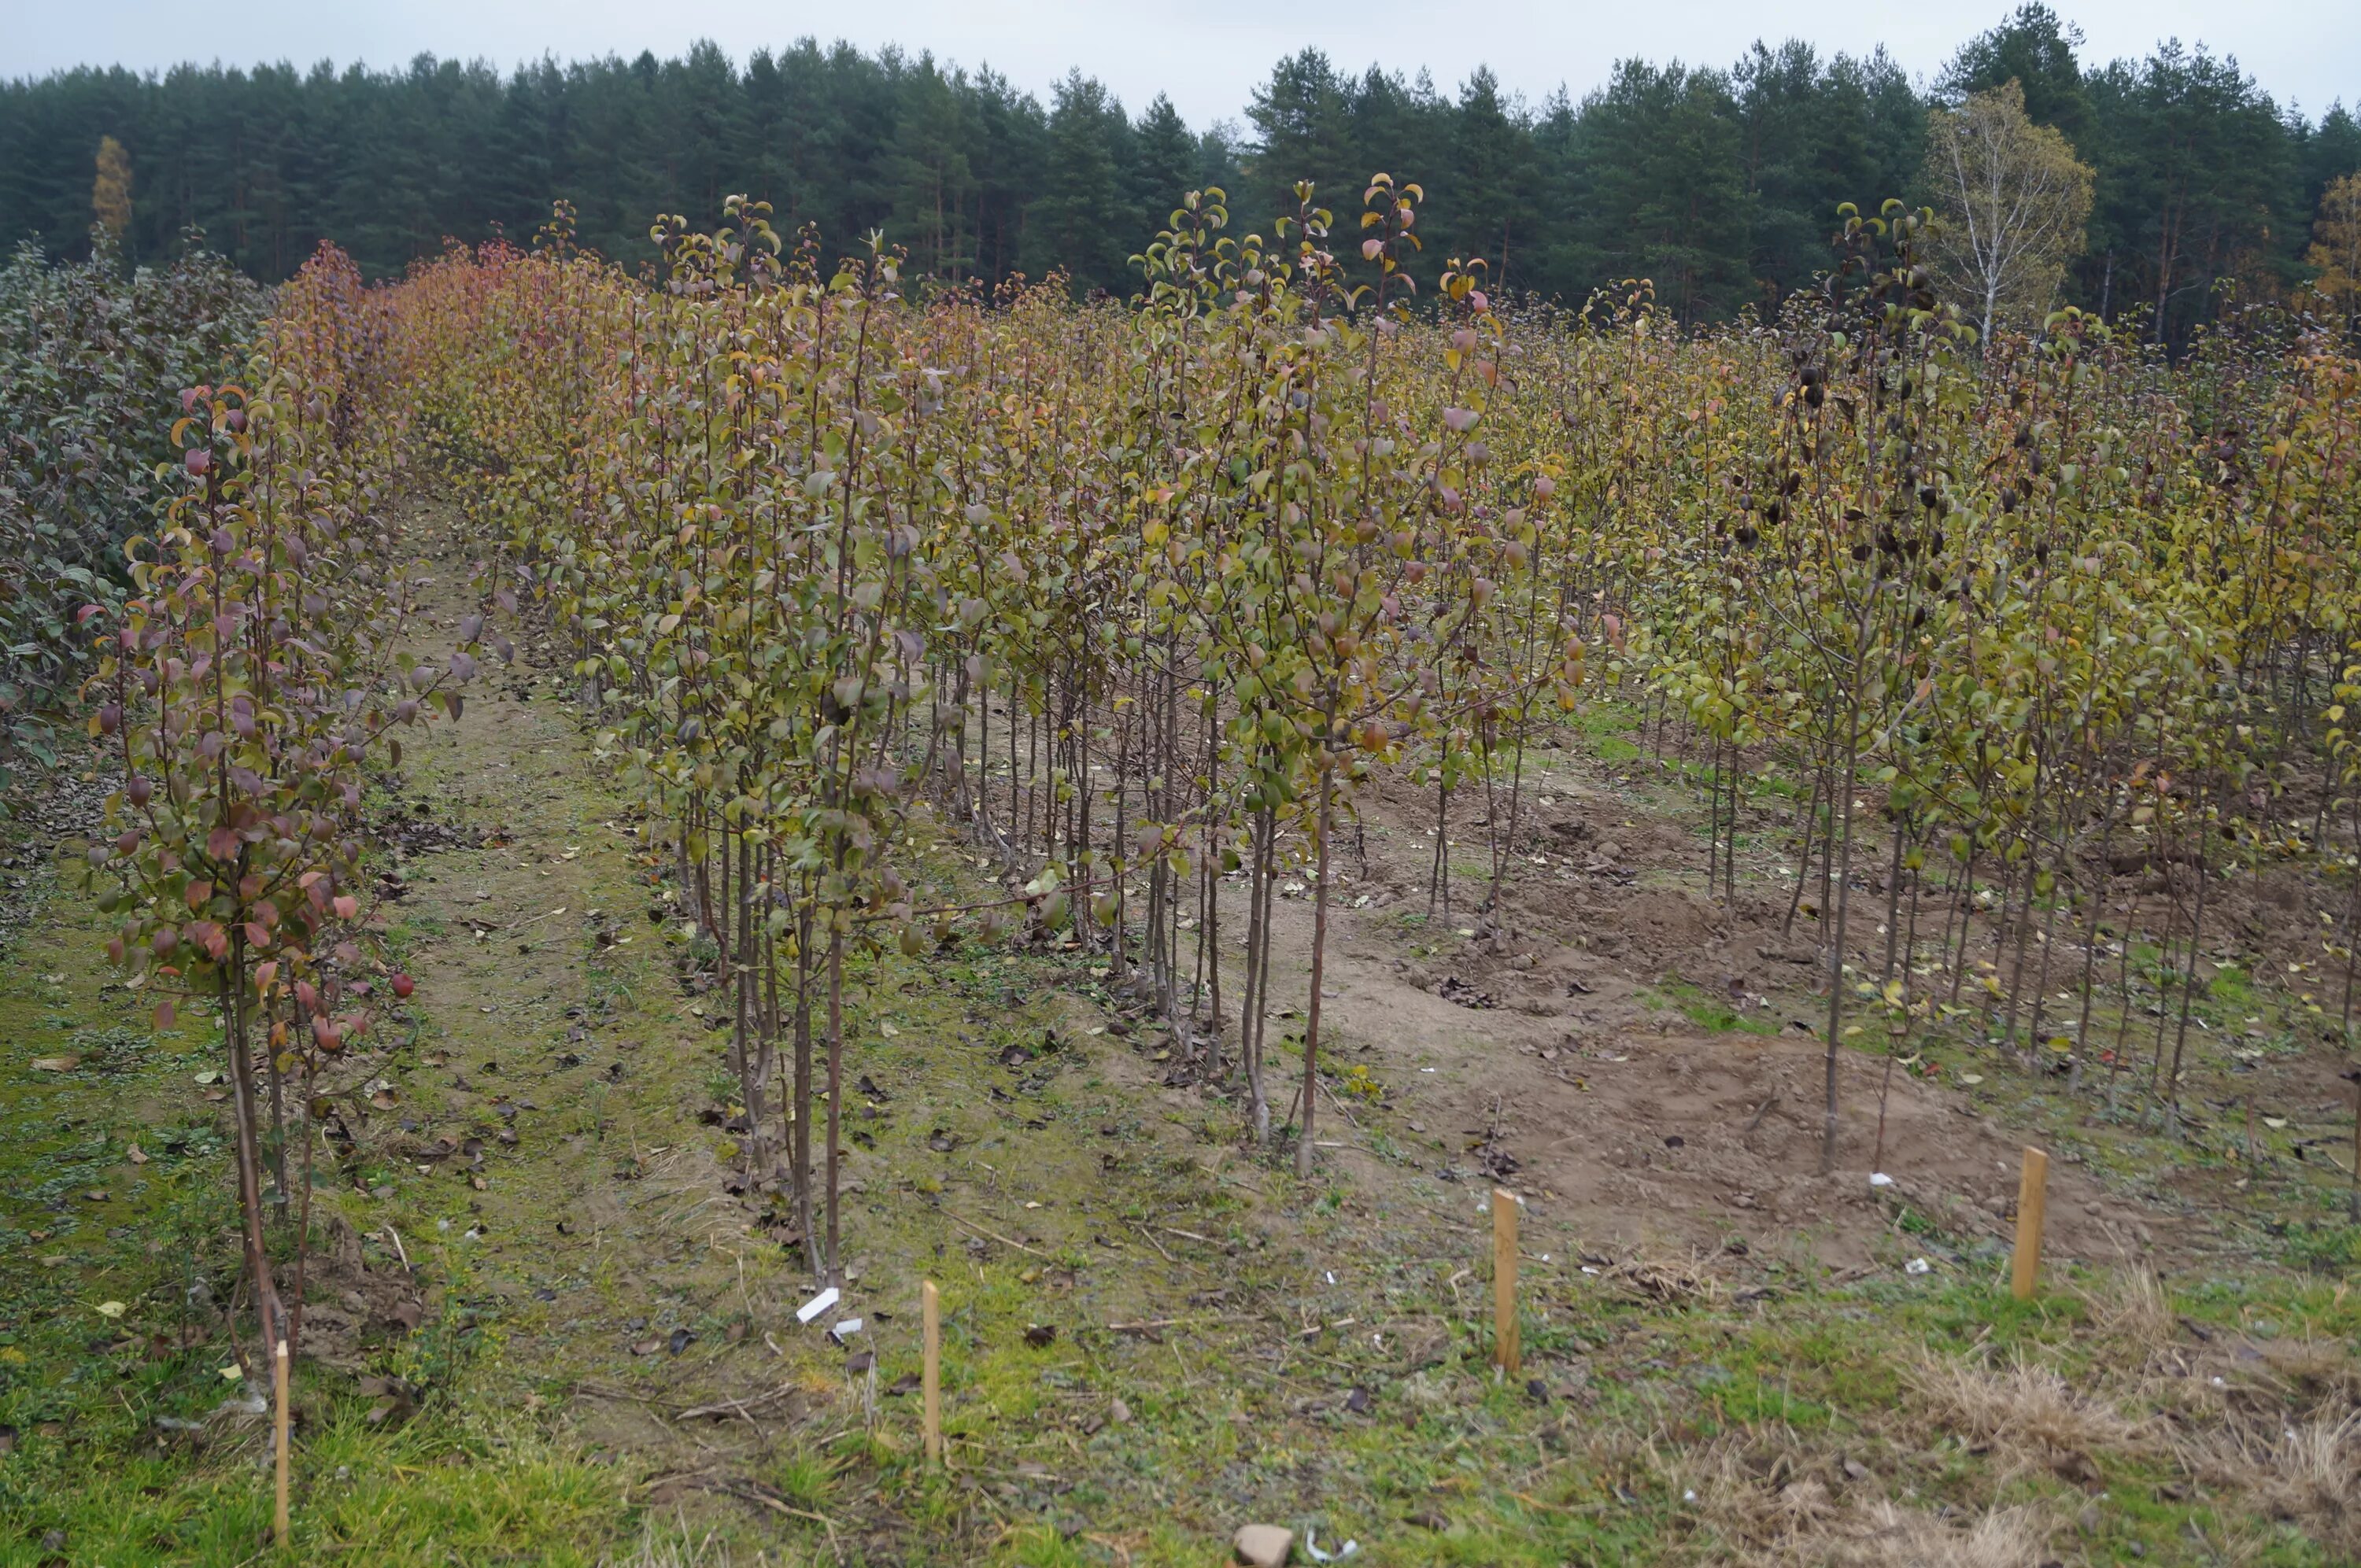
point(2035, 49)
point(1299, 118)
point(1166, 164)
point(1081, 210)
point(1490, 198)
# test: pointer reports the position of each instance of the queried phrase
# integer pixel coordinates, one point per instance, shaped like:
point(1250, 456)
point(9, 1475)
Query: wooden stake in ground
point(930, 1317)
point(1504, 1281)
point(2031, 1194)
point(279, 1387)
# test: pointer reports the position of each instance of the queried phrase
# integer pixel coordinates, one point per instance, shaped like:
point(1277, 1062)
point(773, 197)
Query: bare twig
point(995, 1236)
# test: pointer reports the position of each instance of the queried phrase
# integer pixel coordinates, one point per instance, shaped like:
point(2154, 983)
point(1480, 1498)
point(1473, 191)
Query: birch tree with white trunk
point(2012, 202)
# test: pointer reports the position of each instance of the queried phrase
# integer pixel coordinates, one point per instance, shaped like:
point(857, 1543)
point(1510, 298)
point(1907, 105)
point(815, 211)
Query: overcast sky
point(1207, 55)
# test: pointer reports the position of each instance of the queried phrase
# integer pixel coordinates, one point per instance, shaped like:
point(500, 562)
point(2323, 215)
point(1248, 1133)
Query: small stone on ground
point(1263, 1545)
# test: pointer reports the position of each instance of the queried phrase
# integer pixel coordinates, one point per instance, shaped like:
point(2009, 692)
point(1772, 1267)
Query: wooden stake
point(1504, 1281)
point(2032, 1195)
point(279, 1385)
point(930, 1315)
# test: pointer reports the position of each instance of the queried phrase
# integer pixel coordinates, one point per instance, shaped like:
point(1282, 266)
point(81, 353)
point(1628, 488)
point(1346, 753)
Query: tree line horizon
point(1719, 183)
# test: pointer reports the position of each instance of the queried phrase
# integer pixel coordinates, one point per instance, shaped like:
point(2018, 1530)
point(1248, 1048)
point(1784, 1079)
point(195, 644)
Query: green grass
point(1715, 1016)
point(444, 1489)
point(81, 1392)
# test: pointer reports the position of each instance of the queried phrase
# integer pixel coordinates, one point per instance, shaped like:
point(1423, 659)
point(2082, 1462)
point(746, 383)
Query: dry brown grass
point(1668, 1278)
point(1766, 1500)
point(2307, 1472)
point(1911, 1538)
point(2133, 1308)
point(671, 1545)
point(2022, 1407)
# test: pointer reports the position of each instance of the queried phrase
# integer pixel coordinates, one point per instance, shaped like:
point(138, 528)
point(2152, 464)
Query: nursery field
point(622, 829)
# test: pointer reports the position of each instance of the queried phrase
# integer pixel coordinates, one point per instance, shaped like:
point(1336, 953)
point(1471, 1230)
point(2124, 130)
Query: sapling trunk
point(2189, 983)
point(1319, 958)
point(1837, 935)
point(270, 1315)
point(1893, 921)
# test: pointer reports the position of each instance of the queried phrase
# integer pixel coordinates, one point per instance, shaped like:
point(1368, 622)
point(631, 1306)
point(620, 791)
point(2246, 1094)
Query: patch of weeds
point(803, 1479)
point(1910, 1221)
point(113, 1049)
point(2329, 1247)
point(2232, 987)
point(1713, 1014)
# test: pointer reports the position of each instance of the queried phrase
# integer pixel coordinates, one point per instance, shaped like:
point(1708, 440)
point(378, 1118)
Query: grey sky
point(2304, 51)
